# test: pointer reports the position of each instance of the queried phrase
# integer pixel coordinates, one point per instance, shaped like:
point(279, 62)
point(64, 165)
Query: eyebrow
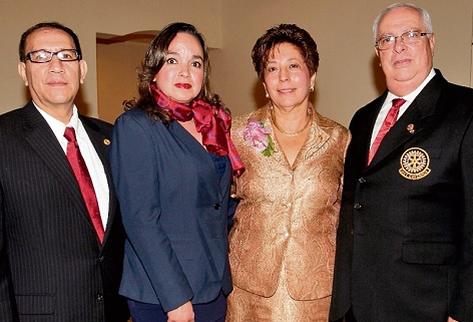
point(177, 54)
point(406, 30)
point(274, 61)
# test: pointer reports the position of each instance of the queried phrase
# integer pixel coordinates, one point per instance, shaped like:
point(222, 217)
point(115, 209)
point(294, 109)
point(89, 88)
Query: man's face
point(405, 65)
point(52, 85)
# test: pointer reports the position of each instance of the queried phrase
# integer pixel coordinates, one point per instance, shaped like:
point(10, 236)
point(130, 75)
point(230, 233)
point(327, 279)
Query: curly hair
point(153, 62)
point(285, 33)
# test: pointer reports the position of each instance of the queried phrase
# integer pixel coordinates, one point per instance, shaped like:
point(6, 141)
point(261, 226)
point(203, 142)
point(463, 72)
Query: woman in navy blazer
point(172, 162)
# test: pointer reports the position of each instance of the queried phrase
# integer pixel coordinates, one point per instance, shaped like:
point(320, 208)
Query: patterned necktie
point(83, 179)
point(388, 123)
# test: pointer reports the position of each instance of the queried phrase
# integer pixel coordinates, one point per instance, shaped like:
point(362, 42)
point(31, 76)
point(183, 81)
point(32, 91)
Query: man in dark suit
point(61, 238)
point(405, 238)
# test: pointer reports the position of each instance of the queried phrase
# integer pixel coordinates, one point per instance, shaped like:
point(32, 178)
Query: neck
point(291, 122)
point(404, 87)
point(60, 113)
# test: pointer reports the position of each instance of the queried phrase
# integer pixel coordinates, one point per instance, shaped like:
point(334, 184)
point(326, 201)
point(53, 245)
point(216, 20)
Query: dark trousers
point(349, 317)
point(214, 311)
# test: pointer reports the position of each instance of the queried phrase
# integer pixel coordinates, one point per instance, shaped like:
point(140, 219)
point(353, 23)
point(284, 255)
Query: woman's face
point(181, 76)
point(287, 79)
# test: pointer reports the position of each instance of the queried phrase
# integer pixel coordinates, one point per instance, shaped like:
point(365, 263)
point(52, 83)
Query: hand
point(451, 320)
point(184, 313)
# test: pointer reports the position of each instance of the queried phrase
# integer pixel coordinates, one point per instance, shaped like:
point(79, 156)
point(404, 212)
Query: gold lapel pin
point(106, 141)
point(410, 128)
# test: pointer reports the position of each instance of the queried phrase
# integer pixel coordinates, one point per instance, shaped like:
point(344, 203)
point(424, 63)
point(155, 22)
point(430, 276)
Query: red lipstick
point(183, 85)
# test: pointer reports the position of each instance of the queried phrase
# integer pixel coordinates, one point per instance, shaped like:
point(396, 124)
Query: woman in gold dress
point(282, 243)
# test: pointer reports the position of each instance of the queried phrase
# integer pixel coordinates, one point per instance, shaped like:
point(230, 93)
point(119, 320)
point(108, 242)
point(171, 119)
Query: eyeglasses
point(411, 37)
point(44, 56)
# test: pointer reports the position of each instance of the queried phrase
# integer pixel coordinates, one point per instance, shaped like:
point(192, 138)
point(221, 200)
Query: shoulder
point(9, 117)
point(135, 125)
point(329, 124)
point(96, 124)
point(331, 127)
point(241, 121)
point(460, 94)
point(138, 117)
point(12, 121)
point(372, 106)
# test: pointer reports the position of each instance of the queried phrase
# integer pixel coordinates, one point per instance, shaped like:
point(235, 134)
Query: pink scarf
point(210, 121)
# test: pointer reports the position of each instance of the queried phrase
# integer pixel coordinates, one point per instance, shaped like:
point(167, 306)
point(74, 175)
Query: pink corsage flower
point(256, 135)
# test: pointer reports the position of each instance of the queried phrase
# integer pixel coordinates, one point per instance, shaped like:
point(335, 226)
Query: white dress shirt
point(389, 102)
point(91, 158)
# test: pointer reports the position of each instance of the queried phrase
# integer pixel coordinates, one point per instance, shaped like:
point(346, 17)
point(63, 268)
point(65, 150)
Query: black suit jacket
point(52, 266)
point(405, 238)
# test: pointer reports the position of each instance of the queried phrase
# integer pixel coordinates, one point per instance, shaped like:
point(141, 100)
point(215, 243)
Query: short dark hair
point(285, 33)
point(153, 62)
point(47, 25)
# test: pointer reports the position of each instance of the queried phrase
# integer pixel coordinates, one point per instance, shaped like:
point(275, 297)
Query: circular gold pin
point(106, 141)
point(415, 164)
point(411, 128)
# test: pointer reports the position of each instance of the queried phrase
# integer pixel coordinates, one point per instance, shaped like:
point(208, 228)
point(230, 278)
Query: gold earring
point(312, 88)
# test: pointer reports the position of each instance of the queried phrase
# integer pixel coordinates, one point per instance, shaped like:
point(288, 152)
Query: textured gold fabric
point(287, 217)
point(280, 307)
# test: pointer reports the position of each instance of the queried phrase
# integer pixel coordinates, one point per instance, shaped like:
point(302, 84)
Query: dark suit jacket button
point(100, 259)
point(99, 298)
point(216, 206)
point(357, 206)
point(361, 180)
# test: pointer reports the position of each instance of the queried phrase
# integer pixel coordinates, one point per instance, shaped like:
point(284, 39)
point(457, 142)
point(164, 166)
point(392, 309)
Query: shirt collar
point(57, 126)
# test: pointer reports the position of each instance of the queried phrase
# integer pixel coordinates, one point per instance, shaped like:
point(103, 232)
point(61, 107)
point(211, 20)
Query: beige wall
point(117, 66)
point(348, 76)
point(348, 70)
point(86, 18)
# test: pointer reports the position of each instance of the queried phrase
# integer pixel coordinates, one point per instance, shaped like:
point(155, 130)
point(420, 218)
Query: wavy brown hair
point(285, 33)
point(153, 62)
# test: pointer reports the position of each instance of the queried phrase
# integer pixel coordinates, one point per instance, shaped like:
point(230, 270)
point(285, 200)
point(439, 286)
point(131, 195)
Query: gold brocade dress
point(282, 243)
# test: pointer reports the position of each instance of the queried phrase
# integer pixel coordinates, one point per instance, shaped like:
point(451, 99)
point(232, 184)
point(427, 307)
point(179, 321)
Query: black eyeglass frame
point(51, 54)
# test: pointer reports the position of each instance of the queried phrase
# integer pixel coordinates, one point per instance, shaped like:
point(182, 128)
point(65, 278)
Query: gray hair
point(422, 12)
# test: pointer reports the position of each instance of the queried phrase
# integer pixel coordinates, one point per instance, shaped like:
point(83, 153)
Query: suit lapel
point(101, 143)
point(204, 160)
point(44, 143)
point(417, 116)
point(363, 130)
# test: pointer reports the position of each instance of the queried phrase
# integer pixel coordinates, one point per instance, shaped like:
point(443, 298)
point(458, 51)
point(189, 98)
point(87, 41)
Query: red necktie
point(83, 179)
point(388, 123)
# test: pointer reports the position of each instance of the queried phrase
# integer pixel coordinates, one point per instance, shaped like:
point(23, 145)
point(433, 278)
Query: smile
point(286, 90)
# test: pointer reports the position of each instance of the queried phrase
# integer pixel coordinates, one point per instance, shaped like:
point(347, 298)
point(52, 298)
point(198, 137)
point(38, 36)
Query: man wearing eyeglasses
point(405, 237)
point(61, 238)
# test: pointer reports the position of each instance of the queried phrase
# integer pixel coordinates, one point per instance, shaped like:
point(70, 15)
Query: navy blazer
point(405, 237)
point(174, 207)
